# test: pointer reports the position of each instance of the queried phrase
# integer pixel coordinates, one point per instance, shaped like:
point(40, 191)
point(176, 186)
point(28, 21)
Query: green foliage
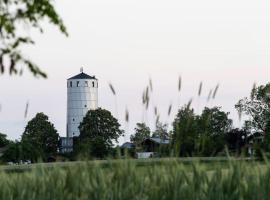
point(257, 106)
point(184, 132)
point(236, 140)
point(98, 130)
point(15, 15)
point(13, 153)
point(203, 134)
point(213, 125)
point(264, 145)
point(215, 121)
point(3, 140)
point(142, 131)
point(161, 131)
point(40, 138)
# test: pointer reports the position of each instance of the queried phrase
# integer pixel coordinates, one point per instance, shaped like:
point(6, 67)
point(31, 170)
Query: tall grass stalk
point(129, 180)
point(115, 98)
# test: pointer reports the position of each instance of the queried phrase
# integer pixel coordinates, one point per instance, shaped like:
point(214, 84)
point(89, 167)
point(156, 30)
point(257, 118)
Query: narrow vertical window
point(78, 83)
point(70, 83)
point(93, 84)
point(86, 83)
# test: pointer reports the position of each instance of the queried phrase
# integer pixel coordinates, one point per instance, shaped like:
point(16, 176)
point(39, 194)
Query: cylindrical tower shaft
point(82, 96)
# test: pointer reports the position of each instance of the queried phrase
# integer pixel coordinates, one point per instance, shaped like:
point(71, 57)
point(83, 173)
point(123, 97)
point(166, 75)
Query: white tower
point(82, 96)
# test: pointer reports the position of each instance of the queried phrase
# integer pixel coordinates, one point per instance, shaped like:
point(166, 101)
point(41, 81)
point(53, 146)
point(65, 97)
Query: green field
point(138, 179)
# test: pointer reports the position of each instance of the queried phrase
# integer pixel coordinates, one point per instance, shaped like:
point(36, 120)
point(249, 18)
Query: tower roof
point(82, 76)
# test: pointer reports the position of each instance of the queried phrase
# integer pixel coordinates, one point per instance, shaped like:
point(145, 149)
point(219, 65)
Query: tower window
point(70, 83)
point(93, 84)
point(78, 83)
point(73, 119)
point(86, 83)
point(85, 106)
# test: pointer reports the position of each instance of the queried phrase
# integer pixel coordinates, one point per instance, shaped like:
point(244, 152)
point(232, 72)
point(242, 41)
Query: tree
point(184, 132)
point(3, 140)
point(200, 134)
point(40, 138)
point(161, 131)
point(213, 124)
point(237, 139)
point(214, 121)
point(257, 106)
point(16, 152)
point(13, 153)
point(248, 127)
point(141, 133)
point(15, 15)
point(98, 130)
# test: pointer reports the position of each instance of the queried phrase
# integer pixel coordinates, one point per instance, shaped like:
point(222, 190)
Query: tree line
point(205, 134)
point(212, 133)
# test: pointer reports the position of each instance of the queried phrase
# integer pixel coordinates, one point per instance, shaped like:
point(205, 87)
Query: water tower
point(82, 96)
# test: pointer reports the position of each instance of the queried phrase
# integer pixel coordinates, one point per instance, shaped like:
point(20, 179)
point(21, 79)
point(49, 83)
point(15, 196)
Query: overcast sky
point(127, 41)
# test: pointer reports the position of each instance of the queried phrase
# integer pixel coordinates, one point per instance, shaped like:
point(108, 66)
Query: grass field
point(138, 179)
point(140, 163)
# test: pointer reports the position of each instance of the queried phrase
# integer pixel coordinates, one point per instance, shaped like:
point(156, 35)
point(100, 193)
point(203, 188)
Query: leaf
point(14, 14)
point(34, 68)
point(20, 40)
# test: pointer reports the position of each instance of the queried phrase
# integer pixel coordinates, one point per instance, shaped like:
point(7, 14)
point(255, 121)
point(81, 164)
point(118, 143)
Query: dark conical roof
point(82, 76)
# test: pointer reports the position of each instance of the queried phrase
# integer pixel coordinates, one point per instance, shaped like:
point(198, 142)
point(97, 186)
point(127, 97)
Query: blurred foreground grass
point(133, 179)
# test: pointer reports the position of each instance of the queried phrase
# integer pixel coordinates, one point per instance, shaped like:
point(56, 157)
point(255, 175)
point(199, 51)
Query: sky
point(127, 42)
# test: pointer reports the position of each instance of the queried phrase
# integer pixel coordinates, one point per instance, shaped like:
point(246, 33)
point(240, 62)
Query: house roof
point(128, 145)
point(82, 76)
point(159, 140)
